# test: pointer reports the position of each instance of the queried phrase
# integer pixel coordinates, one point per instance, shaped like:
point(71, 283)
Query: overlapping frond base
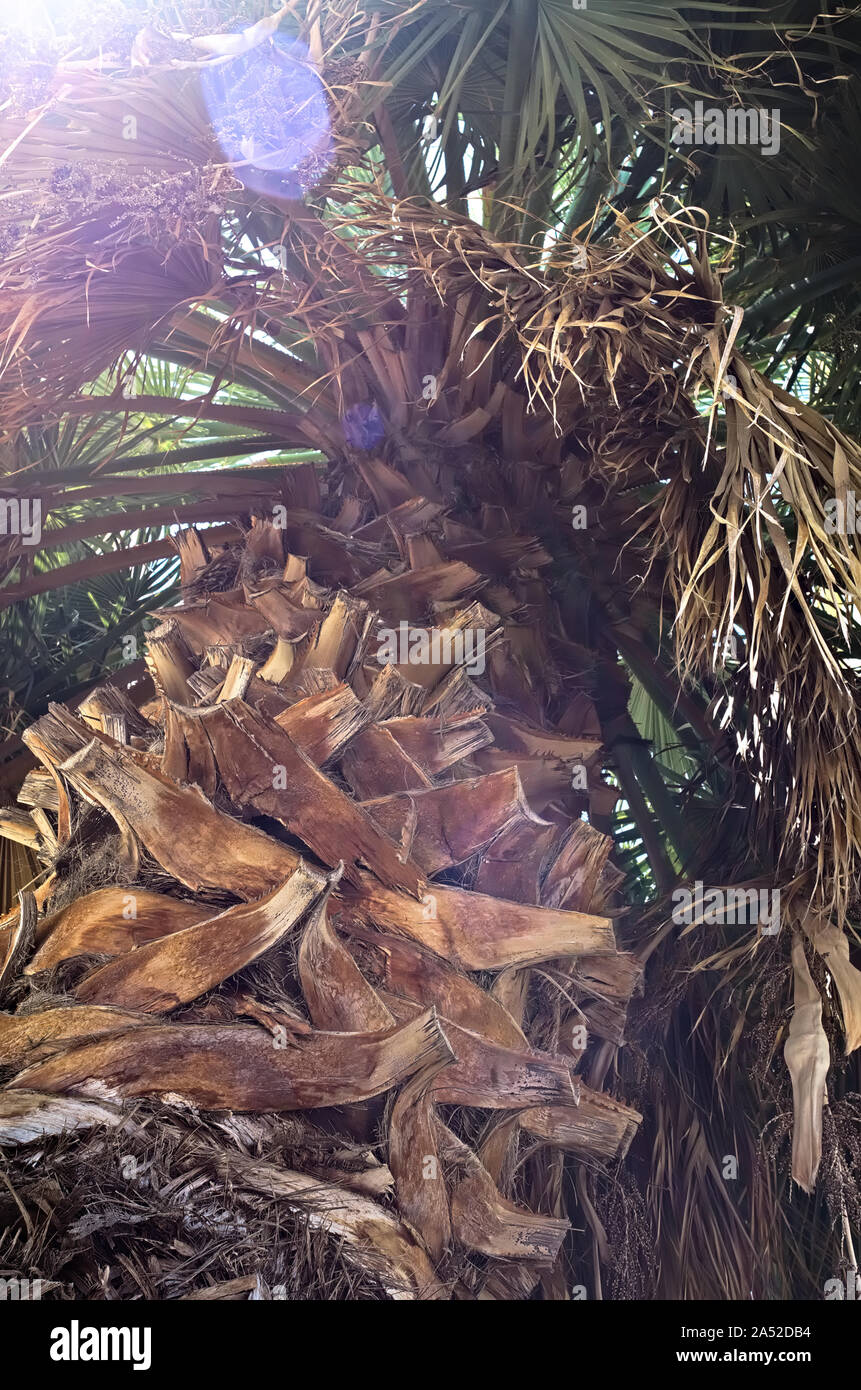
point(352, 964)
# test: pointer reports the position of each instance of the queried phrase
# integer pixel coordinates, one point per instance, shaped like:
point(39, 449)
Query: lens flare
point(363, 426)
point(269, 111)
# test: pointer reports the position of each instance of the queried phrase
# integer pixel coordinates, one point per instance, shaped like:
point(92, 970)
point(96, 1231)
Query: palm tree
point(404, 325)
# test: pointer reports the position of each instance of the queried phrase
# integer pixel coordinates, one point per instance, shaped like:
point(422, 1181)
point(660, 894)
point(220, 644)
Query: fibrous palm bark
point(401, 844)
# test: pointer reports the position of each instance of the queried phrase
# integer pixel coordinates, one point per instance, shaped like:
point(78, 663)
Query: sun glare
point(29, 16)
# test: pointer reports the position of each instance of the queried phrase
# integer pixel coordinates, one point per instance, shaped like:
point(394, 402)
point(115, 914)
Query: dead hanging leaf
point(840, 469)
point(109, 922)
point(26, 1038)
point(807, 1056)
point(419, 1182)
point(372, 1236)
point(483, 1220)
point(164, 974)
point(241, 1067)
point(832, 945)
point(27, 1115)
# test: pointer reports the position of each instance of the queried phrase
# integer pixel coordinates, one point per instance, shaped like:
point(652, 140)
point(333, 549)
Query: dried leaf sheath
point(412, 971)
point(28, 1115)
point(337, 994)
point(25, 1038)
point(160, 976)
point(483, 1073)
point(241, 1068)
point(445, 825)
point(19, 942)
point(477, 932)
point(599, 1127)
point(483, 1220)
point(260, 765)
point(420, 1185)
point(214, 850)
point(109, 922)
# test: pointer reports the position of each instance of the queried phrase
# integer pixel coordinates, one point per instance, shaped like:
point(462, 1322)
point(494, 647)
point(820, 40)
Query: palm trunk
point(324, 869)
